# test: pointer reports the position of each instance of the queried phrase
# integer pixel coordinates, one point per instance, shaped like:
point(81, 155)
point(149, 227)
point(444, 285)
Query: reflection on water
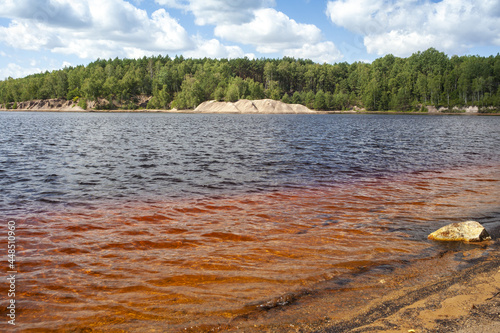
point(169, 226)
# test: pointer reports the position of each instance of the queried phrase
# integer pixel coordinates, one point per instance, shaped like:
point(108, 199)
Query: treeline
point(389, 83)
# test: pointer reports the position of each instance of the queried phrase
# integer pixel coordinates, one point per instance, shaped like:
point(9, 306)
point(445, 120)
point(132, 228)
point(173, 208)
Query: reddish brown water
point(175, 264)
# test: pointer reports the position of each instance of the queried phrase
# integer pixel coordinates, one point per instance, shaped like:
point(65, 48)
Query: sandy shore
point(468, 301)
point(465, 301)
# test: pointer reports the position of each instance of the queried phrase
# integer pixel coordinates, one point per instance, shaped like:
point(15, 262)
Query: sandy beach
point(467, 301)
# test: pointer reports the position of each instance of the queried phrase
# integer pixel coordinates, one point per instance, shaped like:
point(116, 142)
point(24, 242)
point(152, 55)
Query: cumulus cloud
point(117, 28)
point(15, 71)
point(213, 48)
point(104, 29)
point(218, 12)
point(321, 52)
point(28, 35)
point(404, 27)
point(270, 31)
point(55, 13)
point(255, 23)
point(25, 68)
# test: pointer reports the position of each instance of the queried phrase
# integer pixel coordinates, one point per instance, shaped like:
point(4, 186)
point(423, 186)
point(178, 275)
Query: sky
point(40, 35)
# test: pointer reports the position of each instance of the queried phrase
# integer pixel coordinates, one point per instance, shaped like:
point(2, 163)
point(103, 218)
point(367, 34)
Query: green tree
point(422, 87)
point(286, 99)
point(309, 99)
point(190, 96)
point(296, 98)
point(320, 101)
point(372, 95)
point(274, 91)
point(219, 93)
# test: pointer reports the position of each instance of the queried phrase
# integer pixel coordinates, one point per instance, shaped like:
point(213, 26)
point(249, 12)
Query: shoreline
point(263, 113)
point(466, 301)
point(242, 106)
point(462, 302)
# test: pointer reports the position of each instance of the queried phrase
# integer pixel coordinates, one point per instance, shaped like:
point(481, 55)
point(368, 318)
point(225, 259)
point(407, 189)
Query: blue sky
point(39, 35)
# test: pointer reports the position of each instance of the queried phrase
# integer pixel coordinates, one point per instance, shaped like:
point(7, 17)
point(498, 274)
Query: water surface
point(173, 221)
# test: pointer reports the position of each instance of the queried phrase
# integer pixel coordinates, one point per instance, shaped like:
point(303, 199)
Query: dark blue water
point(49, 159)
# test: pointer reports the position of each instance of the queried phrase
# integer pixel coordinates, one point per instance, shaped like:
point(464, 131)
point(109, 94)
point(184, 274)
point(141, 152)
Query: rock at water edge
point(469, 231)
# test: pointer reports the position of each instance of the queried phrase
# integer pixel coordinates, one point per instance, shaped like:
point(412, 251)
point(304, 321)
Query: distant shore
point(173, 111)
point(264, 106)
point(195, 112)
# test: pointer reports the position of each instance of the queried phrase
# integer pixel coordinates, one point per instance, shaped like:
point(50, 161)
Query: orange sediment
point(179, 263)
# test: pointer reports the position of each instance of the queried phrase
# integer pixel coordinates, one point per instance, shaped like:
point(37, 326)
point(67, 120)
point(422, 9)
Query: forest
point(429, 78)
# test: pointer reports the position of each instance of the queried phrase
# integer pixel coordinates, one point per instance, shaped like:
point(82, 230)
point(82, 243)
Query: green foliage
point(339, 101)
point(82, 103)
point(286, 99)
point(219, 94)
point(152, 104)
point(131, 106)
point(297, 98)
point(274, 91)
point(389, 83)
point(73, 94)
point(255, 89)
point(320, 101)
point(309, 100)
point(232, 94)
point(190, 95)
point(236, 90)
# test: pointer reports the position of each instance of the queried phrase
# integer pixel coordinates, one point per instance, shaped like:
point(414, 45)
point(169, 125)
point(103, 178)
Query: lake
point(169, 222)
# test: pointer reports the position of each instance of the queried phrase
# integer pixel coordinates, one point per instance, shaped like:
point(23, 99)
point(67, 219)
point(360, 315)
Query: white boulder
point(469, 231)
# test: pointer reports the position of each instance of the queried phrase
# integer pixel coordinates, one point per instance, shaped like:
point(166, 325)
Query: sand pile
point(255, 106)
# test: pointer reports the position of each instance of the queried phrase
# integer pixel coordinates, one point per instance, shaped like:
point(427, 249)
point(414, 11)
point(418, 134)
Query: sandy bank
point(466, 301)
point(267, 106)
point(47, 105)
point(263, 106)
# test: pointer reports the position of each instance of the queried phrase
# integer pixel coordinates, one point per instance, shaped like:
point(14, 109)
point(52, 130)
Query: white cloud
point(355, 15)
point(270, 31)
point(28, 35)
point(16, 71)
point(404, 27)
point(55, 13)
point(255, 23)
point(106, 29)
point(218, 12)
point(94, 29)
point(28, 67)
point(320, 53)
point(213, 48)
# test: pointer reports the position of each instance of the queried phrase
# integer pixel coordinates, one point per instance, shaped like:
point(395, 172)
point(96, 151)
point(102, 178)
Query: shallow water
point(163, 222)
